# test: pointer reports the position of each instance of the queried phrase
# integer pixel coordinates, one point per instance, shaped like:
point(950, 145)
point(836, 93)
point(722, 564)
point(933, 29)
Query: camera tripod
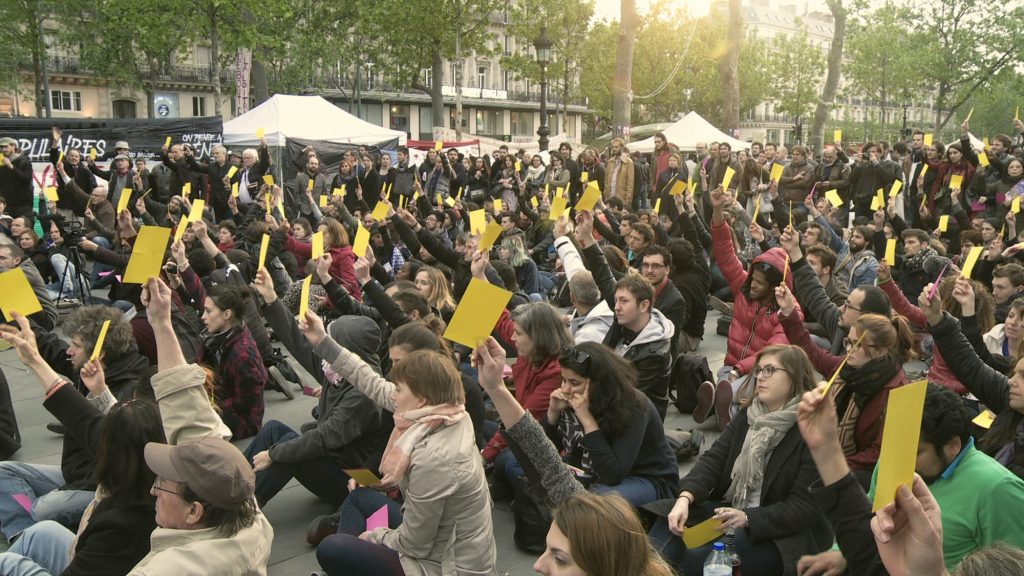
point(76, 261)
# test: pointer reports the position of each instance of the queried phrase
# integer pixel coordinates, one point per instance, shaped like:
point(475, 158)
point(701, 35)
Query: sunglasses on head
point(572, 355)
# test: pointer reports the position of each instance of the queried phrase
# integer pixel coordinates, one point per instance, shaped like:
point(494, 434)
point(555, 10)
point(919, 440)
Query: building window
point(124, 109)
point(481, 77)
point(203, 55)
point(522, 122)
point(199, 106)
point(66, 100)
point(489, 122)
point(6, 106)
point(399, 118)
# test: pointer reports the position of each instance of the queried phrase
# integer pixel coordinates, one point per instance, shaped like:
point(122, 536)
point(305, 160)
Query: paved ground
point(294, 507)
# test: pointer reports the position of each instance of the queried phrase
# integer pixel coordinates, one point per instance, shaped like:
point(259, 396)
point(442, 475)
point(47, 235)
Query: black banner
point(145, 136)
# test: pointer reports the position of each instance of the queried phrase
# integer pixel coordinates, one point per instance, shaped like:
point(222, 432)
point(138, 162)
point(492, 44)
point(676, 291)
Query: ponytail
point(892, 334)
point(907, 348)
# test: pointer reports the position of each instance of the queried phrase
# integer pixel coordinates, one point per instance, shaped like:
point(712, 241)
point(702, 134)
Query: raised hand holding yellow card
point(890, 251)
point(834, 198)
point(956, 181)
point(268, 179)
point(590, 197)
point(51, 194)
point(983, 159)
point(304, 296)
point(264, 244)
point(498, 206)
point(17, 295)
point(99, 341)
point(928, 139)
point(727, 178)
point(558, 206)
point(897, 185)
point(234, 189)
point(362, 242)
point(318, 245)
point(972, 259)
point(900, 438)
point(123, 200)
point(167, 142)
point(701, 534)
point(490, 235)
point(944, 223)
point(657, 206)
point(678, 189)
point(196, 214)
point(837, 136)
point(477, 221)
point(477, 313)
point(186, 189)
point(1015, 204)
point(380, 212)
point(878, 202)
point(438, 144)
point(147, 255)
point(777, 169)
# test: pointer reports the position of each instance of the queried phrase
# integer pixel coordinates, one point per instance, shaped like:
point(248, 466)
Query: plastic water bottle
point(730, 550)
point(717, 563)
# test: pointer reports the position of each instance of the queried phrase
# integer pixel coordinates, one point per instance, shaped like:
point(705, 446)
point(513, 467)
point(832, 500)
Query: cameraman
point(63, 235)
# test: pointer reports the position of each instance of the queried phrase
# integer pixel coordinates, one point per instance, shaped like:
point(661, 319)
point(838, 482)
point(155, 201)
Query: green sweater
point(982, 503)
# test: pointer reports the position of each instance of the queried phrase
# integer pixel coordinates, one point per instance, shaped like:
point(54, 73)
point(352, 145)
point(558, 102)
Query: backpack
point(688, 373)
point(531, 516)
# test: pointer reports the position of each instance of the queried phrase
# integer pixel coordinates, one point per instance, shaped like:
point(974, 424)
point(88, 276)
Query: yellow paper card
point(147, 255)
point(167, 142)
point(449, 202)
point(92, 154)
point(196, 214)
point(490, 235)
point(837, 135)
point(338, 192)
point(1015, 205)
point(519, 166)
point(323, 201)
point(363, 476)
point(440, 199)
point(380, 213)
point(969, 114)
point(309, 185)
point(657, 206)
point(260, 133)
point(232, 171)
point(498, 206)
point(983, 159)
point(264, 244)
point(701, 534)
point(186, 189)
point(362, 242)
point(234, 189)
point(727, 178)
point(584, 177)
point(924, 170)
point(956, 181)
point(477, 222)
point(590, 197)
point(179, 231)
point(534, 202)
point(833, 198)
point(678, 189)
point(477, 313)
point(927, 139)
point(123, 200)
point(972, 259)
point(60, 159)
point(1016, 115)
point(878, 202)
point(99, 341)
point(304, 296)
point(558, 206)
point(944, 223)
point(51, 194)
point(985, 419)
point(318, 245)
point(897, 185)
point(268, 179)
point(890, 251)
point(438, 144)
point(777, 172)
point(900, 439)
point(693, 187)
point(17, 295)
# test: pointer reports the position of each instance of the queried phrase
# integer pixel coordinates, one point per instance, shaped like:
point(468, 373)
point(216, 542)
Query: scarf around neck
point(215, 343)
point(412, 426)
point(916, 262)
point(766, 430)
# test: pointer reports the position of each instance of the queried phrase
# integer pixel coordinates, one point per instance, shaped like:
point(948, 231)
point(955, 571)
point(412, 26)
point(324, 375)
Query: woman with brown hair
point(876, 348)
point(434, 286)
point(335, 243)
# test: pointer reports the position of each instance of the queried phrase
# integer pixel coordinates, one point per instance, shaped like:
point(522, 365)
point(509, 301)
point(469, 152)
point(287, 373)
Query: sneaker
point(723, 403)
point(720, 305)
point(278, 382)
point(705, 402)
point(321, 527)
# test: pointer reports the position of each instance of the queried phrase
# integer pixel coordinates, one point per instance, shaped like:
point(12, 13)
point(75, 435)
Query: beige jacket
point(446, 528)
point(188, 415)
point(624, 183)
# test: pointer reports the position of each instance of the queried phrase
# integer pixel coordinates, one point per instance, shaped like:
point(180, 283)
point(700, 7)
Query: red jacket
point(660, 165)
point(939, 372)
point(534, 384)
point(754, 325)
point(342, 263)
point(867, 434)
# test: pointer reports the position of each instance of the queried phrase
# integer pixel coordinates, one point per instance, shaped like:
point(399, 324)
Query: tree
point(22, 39)
point(796, 65)
point(835, 58)
point(597, 69)
point(728, 68)
point(622, 81)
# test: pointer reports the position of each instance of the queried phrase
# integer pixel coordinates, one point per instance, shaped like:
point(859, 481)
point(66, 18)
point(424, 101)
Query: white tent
point(685, 134)
point(305, 117)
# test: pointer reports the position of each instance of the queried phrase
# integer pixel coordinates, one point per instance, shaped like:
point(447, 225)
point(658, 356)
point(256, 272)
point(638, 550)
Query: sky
point(609, 9)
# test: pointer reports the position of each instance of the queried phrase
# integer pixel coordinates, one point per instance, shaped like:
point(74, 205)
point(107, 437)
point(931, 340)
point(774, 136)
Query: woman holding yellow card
point(754, 480)
point(876, 348)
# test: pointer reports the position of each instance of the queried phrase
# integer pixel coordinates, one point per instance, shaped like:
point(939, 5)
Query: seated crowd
point(820, 275)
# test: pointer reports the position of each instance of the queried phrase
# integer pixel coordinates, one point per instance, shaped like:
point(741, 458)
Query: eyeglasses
point(850, 345)
point(156, 486)
point(652, 265)
point(767, 371)
point(573, 355)
point(851, 306)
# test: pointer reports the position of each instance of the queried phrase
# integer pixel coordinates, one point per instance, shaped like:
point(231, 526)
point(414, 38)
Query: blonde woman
point(433, 284)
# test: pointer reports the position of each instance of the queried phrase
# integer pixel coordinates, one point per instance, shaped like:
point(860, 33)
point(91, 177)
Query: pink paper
point(935, 285)
point(24, 500)
point(378, 519)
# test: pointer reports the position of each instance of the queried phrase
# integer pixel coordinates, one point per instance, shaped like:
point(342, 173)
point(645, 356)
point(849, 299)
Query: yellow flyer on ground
point(264, 244)
point(318, 245)
point(490, 235)
point(477, 221)
point(362, 242)
point(99, 341)
point(701, 534)
point(972, 259)
point(197, 210)
point(558, 206)
point(890, 251)
point(477, 313)
point(363, 476)
point(900, 438)
point(147, 255)
point(590, 197)
point(777, 169)
point(17, 295)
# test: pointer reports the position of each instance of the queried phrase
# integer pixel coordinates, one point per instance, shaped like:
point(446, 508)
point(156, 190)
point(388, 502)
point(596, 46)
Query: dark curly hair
point(614, 398)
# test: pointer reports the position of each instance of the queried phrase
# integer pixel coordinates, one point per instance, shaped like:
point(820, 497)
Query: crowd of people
point(870, 265)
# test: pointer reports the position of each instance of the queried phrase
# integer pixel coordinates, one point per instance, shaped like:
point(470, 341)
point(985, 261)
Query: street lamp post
point(543, 47)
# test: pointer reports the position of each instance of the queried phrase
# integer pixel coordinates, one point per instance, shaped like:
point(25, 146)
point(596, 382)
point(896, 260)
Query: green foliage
point(883, 57)
point(18, 34)
point(796, 70)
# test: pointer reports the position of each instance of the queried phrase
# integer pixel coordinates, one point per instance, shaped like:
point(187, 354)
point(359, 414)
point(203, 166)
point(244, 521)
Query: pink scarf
point(411, 427)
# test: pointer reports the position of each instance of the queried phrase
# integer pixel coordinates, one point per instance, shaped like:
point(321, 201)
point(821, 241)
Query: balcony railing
point(176, 73)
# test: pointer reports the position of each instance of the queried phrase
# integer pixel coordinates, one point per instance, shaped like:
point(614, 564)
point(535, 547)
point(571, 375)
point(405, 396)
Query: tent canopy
point(305, 117)
point(685, 133)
